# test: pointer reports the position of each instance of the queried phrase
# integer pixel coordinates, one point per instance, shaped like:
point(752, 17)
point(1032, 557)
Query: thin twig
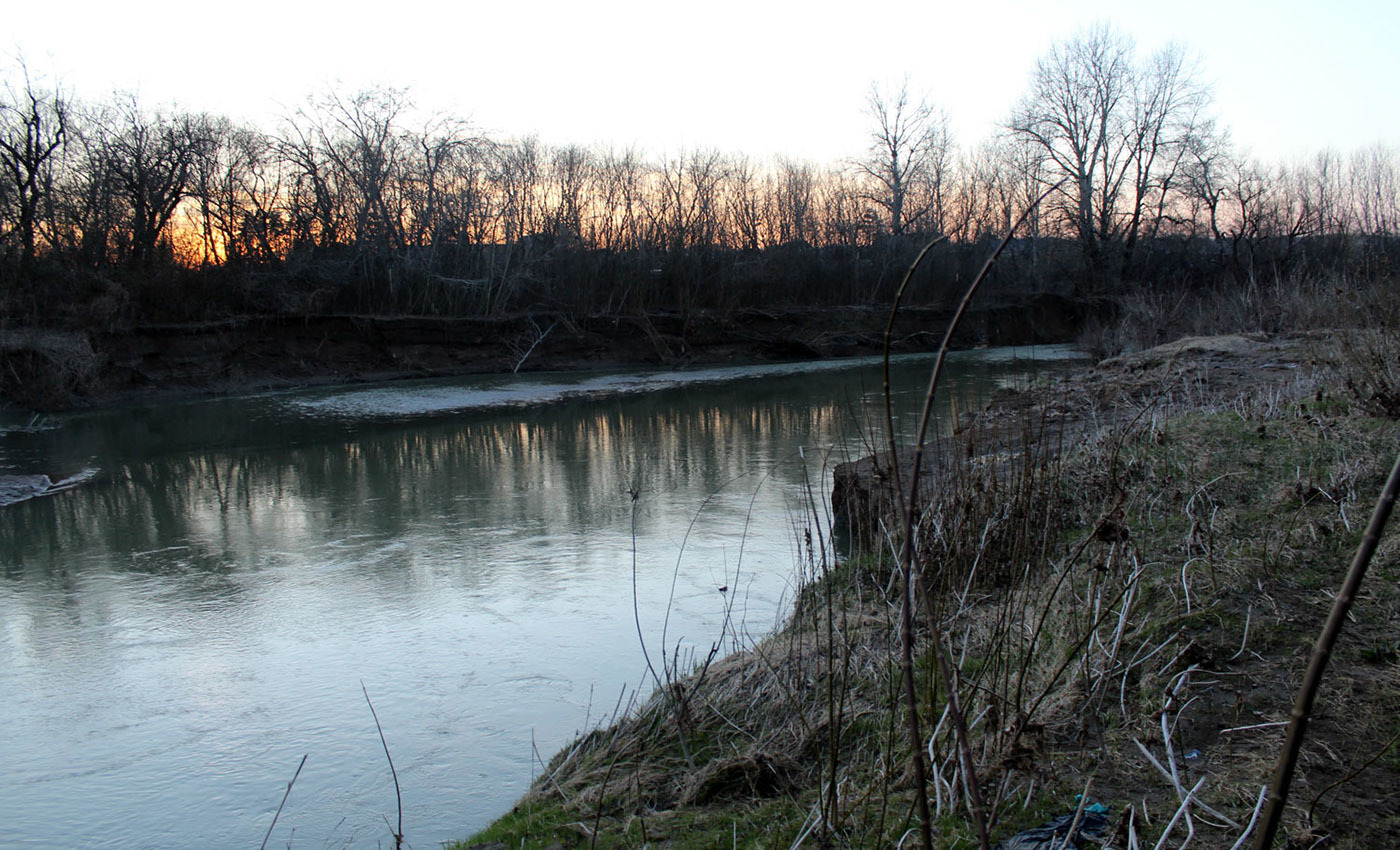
point(602, 795)
point(1352, 775)
point(906, 572)
point(549, 774)
point(1244, 640)
point(908, 509)
point(398, 794)
point(1271, 725)
point(636, 494)
point(285, 795)
point(969, 768)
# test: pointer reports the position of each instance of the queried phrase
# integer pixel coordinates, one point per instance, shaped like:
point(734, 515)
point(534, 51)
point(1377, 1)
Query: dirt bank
point(47, 369)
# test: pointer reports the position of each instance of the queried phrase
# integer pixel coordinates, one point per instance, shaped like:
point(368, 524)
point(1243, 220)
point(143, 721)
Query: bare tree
point(1251, 214)
point(33, 128)
point(1072, 113)
point(620, 194)
point(262, 233)
point(796, 202)
point(1326, 195)
point(88, 209)
point(745, 207)
point(151, 157)
point(910, 149)
point(471, 210)
point(1116, 133)
point(362, 137)
point(1375, 188)
point(687, 204)
point(1166, 124)
point(988, 188)
point(570, 173)
point(438, 151)
point(220, 172)
point(1207, 173)
point(706, 173)
point(315, 202)
point(518, 174)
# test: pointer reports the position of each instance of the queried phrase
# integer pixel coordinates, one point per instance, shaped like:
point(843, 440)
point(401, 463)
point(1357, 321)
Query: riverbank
point(50, 369)
point(1125, 571)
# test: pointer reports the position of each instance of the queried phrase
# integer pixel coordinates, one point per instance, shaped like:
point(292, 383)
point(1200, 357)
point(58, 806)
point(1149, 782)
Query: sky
point(759, 77)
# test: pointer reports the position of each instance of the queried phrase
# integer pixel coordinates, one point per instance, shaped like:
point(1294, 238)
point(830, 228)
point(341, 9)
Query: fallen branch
point(539, 338)
point(1181, 791)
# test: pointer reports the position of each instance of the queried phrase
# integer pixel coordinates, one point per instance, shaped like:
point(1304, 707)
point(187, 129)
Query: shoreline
point(51, 370)
point(1250, 425)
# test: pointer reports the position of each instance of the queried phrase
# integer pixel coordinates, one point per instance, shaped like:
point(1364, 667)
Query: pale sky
point(761, 77)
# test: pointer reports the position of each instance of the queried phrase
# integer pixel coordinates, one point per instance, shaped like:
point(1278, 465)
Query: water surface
point(204, 607)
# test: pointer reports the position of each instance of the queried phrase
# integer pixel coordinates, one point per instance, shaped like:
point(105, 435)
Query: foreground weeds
point(1111, 599)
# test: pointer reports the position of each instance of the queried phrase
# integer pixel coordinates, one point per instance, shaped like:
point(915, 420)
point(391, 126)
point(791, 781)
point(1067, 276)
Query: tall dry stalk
point(908, 503)
point(398, 793)
point(283, 804)
point(1317, 666)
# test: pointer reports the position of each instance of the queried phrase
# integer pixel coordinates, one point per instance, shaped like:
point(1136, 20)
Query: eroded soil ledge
point(45, 369)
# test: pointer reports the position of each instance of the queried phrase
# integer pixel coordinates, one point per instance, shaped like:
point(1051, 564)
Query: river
point(224, 580)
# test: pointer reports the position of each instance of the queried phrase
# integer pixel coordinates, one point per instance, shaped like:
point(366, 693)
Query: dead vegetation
point(1116, 582)
point(44, 367)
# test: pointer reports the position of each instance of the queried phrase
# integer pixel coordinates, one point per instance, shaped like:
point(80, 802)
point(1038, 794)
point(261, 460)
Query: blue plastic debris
point(1051, 835)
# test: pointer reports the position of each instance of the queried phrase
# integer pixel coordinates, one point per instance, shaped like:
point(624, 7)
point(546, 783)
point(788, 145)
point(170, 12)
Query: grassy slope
point(1145, 554)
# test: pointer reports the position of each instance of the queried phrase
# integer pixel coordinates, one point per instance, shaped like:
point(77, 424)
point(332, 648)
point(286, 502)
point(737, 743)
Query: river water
point(226, 579)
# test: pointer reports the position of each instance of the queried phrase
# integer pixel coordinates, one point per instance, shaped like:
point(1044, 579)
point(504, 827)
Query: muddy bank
point(52, 369)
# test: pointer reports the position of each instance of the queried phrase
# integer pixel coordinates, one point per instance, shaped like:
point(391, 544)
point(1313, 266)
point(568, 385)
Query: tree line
point(115, 212)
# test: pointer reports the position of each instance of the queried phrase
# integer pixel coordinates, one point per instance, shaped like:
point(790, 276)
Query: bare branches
point(33, 127)
point(358, 203)
point(1117, 131)
point(908, 160)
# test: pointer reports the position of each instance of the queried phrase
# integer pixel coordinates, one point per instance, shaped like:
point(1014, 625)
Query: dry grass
point(1145, 318)
point(1127, 572)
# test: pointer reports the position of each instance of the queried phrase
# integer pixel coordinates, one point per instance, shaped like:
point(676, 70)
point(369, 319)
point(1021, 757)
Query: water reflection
point(177, 632)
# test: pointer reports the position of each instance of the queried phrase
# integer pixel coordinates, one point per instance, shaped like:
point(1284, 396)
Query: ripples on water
point(176, 632)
